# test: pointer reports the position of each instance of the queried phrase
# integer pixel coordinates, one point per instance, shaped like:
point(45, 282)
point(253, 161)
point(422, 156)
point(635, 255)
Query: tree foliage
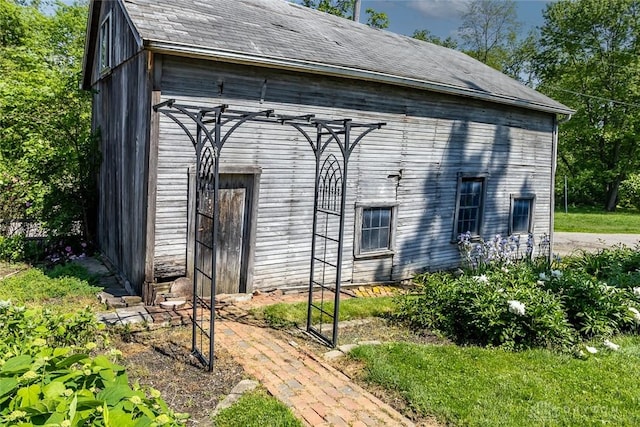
point(48, 156)
point(344, 9)
point(589, 58)
point(428, 36)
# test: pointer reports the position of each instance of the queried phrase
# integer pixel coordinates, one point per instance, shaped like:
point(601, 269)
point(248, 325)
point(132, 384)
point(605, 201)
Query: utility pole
point(356, 11)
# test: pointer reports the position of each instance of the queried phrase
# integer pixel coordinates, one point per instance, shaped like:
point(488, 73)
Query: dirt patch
point(162, 359)
point(8, 270)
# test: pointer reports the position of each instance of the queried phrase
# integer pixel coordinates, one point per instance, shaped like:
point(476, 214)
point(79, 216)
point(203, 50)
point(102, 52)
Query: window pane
point(520, 218)
point(470, 205)
point(385, 217)
point(376, 229)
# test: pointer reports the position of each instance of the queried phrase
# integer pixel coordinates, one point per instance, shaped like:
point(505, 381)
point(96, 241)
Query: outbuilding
point(463, 147)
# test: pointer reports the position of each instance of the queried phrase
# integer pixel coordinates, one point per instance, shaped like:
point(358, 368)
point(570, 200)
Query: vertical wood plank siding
point(121, 115)
point(428, 140)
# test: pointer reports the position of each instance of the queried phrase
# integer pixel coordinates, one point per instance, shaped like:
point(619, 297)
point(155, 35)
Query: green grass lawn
point(472, 386)
point(256, 409)
point(286, 315)
point(591, 220)
point(63, 289)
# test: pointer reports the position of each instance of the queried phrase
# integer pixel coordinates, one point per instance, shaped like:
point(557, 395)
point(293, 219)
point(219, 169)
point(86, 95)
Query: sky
point(442, 17)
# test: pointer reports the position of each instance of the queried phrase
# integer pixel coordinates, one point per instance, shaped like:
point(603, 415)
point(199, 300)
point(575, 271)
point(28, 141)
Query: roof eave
point(344, 72)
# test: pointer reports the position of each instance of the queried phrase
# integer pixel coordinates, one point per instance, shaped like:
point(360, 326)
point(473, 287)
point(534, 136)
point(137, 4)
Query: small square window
point(105, 44)
point(374, 230)
point(521, 220)
point(469, 206)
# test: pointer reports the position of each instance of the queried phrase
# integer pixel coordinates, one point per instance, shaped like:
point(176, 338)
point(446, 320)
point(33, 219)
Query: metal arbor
point(327, 240)
point(214, 126)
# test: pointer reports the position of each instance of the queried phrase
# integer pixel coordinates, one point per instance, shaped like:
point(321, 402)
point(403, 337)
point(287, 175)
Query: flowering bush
point(529, 304)
point(499, 309)
point(499, 251)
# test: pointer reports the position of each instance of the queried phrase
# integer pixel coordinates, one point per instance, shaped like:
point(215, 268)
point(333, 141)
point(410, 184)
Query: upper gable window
point(105, 44)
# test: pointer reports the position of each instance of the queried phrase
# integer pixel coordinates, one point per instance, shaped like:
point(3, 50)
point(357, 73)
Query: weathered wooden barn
point(464, 148)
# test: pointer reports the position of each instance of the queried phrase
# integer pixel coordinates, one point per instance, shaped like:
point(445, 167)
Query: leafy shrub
point(46, 376)
point(527, 304)
point(37, 250)
point(593, 307)
point(630, 191)
point(497, 309)
point(607, 264)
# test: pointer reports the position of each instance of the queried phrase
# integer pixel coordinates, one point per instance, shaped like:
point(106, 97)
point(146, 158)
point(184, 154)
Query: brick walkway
point(317, 393)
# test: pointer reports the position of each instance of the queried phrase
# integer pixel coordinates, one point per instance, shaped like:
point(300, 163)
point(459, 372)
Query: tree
point(590, 59)
point(489, 31)
point(377, 19)
point(427, 36)
point(344, 9)
point(48, 156)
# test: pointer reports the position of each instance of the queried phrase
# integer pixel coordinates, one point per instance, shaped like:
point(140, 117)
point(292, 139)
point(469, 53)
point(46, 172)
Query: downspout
point(554, 164)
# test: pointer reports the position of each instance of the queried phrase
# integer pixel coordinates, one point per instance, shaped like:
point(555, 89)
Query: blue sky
point(442, 17)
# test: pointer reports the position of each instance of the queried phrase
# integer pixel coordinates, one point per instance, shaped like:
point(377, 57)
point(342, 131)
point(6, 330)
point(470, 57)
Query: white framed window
point(469, 205)
point(105, 39)
point(521, 214)
point(375, 225)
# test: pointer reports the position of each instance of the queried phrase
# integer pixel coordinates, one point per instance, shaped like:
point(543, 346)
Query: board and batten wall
point(121, 114)
point(413, 162)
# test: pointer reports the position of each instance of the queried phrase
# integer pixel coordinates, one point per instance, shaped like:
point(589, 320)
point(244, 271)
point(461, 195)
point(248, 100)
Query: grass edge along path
point(474, 386)
point(257, 409)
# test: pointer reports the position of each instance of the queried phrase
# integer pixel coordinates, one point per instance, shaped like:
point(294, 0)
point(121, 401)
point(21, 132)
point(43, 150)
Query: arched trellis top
point(207, 119)
point(214, 126)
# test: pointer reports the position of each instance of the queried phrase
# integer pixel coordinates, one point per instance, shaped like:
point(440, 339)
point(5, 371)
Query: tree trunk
point(612, 196)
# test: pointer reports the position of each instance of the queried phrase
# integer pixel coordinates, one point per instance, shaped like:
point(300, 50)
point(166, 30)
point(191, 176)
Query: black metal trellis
point(329, 207)
point(328, 220)
point(209, 138)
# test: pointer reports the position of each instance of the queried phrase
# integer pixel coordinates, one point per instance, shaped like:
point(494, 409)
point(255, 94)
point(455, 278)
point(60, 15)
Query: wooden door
point(234, 252)
point(230, 240)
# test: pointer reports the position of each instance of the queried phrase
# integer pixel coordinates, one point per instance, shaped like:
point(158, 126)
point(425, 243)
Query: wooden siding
point(124, 44)
point(414, 161)
point(121, 115)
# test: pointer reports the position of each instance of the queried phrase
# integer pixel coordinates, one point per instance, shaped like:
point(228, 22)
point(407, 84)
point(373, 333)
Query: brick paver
point(317, 393)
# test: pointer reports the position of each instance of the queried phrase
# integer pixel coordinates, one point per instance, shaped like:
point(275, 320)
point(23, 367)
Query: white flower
point(636, 291)
point(591, 350)
point(556, 273)
point(543, 276)
point(516, 307)
point(501, 290)
point(505, 269)
point(5, 304)
point(610, 345)
point(481, 279)
point(636, 314)
point(540, 283)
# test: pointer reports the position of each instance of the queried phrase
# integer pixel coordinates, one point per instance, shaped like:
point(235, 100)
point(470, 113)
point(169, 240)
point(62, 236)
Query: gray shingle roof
point(279, 33)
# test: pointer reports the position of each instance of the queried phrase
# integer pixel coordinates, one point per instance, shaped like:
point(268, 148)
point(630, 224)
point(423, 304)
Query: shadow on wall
point(433, 247)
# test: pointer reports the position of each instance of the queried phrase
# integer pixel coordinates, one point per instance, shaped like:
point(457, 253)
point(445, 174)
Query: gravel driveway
point(565, 243)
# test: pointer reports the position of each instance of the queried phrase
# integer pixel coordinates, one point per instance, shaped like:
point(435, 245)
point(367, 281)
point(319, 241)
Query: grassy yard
point(591, 220)
point(285, 315)
point(474, 386)
point(65, 288)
